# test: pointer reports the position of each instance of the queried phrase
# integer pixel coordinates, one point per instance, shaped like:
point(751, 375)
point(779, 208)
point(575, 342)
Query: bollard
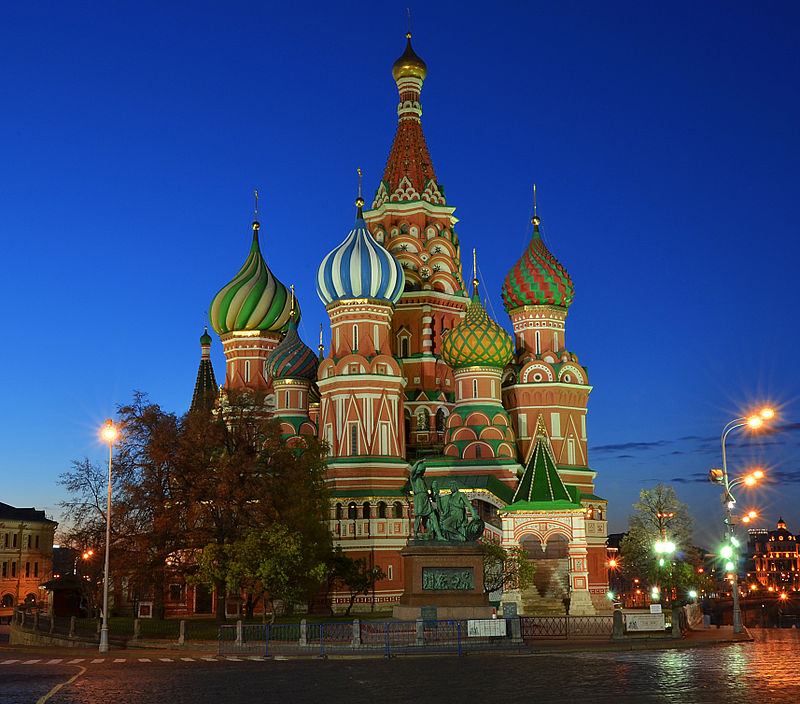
point(619, 629)
point(303, 632)
point(52, 623)
point(71, 626)
point(420, 632)
point(137, 630)
point(239, 632)
point(36, 621)
point(182, 633)
point(676, 621)
point(356, 641)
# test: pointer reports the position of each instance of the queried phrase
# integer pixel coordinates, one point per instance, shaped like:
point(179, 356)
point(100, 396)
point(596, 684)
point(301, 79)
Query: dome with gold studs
point(477, 341)
point(409, 64)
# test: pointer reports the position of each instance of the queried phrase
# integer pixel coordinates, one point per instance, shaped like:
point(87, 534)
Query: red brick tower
point(411, 218)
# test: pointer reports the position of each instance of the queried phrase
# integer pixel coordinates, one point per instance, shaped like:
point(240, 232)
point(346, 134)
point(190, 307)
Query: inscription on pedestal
point(448, 579)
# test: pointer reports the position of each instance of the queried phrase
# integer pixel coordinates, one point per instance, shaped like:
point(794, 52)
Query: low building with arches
point(26, 555)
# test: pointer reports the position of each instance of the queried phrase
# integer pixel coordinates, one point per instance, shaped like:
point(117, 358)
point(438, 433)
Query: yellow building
point(26, 555)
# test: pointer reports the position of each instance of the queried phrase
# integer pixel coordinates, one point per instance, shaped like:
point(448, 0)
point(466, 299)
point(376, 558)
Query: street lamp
point(85, 556)
point(109, 434)
point(753, 421)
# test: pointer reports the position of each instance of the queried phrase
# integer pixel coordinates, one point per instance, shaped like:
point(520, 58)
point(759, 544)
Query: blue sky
point(663, 141)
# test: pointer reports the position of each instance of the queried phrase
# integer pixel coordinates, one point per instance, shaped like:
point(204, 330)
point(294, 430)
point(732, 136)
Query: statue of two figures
point(445, 517)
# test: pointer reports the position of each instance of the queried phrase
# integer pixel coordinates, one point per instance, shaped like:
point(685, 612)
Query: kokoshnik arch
point(416, 368)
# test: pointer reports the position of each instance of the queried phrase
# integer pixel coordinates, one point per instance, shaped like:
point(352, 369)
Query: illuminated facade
point(416, 368)
point(776, 559)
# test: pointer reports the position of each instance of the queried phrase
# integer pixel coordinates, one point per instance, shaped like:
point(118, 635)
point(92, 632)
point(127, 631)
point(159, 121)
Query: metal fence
point(561, 627)
point(389, 638)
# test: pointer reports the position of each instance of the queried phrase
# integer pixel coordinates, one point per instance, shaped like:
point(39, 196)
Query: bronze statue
point(424, 515)
point(448, 518)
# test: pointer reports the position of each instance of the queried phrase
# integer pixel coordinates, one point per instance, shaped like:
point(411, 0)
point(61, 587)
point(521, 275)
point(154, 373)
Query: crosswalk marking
point(166, 659)
point(54, 661)
point(188, 659)
point(9, 662)
point(144, 659)
point(96, 660)
point(75, 661)
point(31, 662)
point(230, 657)
point(119, 659)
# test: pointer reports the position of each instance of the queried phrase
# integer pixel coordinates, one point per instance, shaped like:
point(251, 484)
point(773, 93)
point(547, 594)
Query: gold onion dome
point(409, 64)
point(477, 341)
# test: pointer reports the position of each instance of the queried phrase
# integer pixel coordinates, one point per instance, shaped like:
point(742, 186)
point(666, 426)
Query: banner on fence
point(486, 627)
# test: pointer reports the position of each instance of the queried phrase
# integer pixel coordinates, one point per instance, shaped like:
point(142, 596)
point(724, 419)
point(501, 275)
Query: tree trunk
point(219, 586)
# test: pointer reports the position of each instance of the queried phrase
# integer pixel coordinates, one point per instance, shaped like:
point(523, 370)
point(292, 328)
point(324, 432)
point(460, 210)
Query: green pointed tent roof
point(541, 487)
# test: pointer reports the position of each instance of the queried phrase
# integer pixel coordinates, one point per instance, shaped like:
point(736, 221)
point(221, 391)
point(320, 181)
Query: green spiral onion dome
point(477, 340)
point(292, 359)
point(253, 300)
point(205, 338)
point(537, 278)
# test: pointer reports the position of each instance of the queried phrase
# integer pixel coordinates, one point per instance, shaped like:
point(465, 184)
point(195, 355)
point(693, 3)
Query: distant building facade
point(776, 558)
point(26, 555)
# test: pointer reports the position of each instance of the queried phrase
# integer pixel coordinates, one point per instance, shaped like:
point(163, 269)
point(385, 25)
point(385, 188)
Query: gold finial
point(536, 219)
point(359, 200)
point(320, 347)
point(408, 32)
point(291, 311)
point(474, 268)
point(255, 216)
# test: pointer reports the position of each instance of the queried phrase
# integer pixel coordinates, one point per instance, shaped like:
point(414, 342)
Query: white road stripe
point(188, 659)
point(144, 659)
point(54, 661)
point(119, 659)
point(76, 660)
point(166, 659)
point(96, 660)
point(233, 658)
point(31, 662)
point(9, 662)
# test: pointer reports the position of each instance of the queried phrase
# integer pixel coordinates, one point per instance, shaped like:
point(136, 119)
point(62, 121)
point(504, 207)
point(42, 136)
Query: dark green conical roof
point(541, 487)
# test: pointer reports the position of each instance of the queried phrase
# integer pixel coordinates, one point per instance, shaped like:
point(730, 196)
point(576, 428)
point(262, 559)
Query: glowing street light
point(109, 434)
point(753, 421)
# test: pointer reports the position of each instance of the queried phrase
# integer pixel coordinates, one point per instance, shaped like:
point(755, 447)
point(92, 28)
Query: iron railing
point(389, 638)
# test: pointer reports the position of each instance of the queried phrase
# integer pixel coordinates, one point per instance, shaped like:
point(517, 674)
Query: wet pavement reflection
point(765, 671)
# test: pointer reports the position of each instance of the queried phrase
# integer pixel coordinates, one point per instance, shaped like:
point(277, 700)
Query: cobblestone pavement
point(765, 671)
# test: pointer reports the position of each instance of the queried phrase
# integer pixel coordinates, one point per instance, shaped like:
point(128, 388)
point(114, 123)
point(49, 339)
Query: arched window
point(8, 600)
point(478, 451)
point(355, 337)
point(538, 342)
point(381, 509)
point(247, 370)
point(404, 347)
point(366, 510)
point(474, 388)
point(398, 509)
point(338, 512)
point(407, 424)
point(352, 510)
point(441, 420)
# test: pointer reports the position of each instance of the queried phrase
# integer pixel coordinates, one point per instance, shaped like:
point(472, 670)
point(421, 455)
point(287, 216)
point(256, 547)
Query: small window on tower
point(474, 388)
point(355, 338)
point(353, 439)
point(247, 370)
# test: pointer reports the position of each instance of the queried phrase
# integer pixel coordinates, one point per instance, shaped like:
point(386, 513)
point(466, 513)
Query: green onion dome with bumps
point(537, 278)
point(477, 341)
point(253, 300)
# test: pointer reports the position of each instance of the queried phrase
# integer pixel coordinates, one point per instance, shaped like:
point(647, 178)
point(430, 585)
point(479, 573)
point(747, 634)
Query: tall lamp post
point(754, 421)
point(109, 433)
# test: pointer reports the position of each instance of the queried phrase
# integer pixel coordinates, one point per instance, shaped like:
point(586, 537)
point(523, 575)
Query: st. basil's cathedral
point(417, 369)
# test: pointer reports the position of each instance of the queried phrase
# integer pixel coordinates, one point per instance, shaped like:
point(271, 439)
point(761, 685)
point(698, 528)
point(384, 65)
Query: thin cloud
point(630, 446)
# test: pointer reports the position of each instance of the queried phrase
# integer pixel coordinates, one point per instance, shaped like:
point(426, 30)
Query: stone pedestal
point(448, 576)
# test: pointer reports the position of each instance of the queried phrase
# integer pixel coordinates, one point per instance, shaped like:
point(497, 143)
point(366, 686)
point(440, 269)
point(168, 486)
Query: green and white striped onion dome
point(254, 299)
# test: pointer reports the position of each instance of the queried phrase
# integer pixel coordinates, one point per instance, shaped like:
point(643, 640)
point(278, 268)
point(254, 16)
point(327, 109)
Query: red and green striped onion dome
point(292, 359)
point(537, 278)
point(477, 341)
point(253, 300)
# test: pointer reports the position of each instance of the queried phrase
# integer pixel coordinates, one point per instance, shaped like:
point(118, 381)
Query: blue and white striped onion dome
point(360, 268)
point(292, 358)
